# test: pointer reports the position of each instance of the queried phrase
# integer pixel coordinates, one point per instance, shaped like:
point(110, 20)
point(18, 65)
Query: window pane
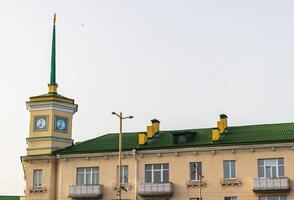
point(260, 163)
point(80, 179)
point(274, 172)
point(226, 170)
point(88, 178)
point(281, 161)
point(193, 171)
point(125, 174)
point(157, 176)
point(165, 166)
point(165, 176)
point(260, 172)
point(281, 171)
point(268, 172)
point(270, 162)
point(148, 167)
point(273, 198)
point(262, 198)
point(157, 166)
point(233, 169)
point(282, 197)
point(95, 179)
point(148, 176)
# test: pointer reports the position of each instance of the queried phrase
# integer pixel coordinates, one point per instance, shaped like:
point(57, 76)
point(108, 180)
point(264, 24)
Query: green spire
point(53, 58)
point(52, 86)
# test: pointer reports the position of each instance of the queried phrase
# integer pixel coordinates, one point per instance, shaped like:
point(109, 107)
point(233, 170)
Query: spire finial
point(53, 85)
point(54, 18)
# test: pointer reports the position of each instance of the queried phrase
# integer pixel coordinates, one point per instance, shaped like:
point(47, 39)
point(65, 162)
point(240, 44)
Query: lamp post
point(118, 186)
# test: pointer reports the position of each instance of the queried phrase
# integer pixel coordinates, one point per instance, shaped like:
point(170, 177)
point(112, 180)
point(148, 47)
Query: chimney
point(153, 128)
point(150, 131)
point(222, 124)
point(215, 134)
point(142, 138)
point(155, 125)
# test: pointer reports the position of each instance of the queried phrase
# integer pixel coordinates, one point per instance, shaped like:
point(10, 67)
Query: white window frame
point(230, 169)
point(195, 173)
point(154, 170)
point(84, 173)
point(124, 170)
point(276, 165)
point(37, 178)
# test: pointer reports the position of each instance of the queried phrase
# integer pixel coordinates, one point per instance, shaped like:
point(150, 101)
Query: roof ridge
point(281, 123)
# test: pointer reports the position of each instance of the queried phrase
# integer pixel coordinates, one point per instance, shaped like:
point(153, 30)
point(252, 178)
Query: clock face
point(61, 124)
point(40, 123)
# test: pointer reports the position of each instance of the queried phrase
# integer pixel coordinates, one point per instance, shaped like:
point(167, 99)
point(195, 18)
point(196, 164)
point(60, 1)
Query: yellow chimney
point(221, 126)
point(155, 124)
point(142, 138)
point(150, 131)
point(224, 120)
point(215, 134)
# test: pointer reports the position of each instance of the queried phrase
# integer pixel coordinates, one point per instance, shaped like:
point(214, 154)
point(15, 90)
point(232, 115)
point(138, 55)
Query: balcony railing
point(156, 189)
point(271, 184)
point(85, 191)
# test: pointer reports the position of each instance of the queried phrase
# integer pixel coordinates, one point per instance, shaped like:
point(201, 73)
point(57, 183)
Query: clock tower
point(50, 116)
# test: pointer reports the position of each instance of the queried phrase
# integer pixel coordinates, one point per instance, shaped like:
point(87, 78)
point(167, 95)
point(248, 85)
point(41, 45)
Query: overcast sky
point(182, 62)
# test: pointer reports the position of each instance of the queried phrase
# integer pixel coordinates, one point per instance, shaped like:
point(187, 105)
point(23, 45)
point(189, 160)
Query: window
point(195, 171)
point(88, 176)
point(195, 198)
point(124, 173)
point(230, 198)
point(178, 139)
point(270, 168)
point(156, 173)
point(230, 169)
point(37, 178)
point(272, 198)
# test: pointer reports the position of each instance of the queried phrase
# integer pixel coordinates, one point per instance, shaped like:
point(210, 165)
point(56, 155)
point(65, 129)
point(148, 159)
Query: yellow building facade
point(220, 163)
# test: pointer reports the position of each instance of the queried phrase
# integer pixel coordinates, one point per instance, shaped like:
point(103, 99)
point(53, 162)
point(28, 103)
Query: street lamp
point(121, 118)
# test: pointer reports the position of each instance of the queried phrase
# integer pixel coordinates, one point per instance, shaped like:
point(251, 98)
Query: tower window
point(37, 182)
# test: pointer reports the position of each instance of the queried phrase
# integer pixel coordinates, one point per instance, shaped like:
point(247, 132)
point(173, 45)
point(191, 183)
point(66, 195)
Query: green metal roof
point(51, 94)
point(9, 197)
point(238, 135)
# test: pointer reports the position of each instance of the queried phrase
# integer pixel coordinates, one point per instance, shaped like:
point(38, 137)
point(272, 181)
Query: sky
point(182, 62)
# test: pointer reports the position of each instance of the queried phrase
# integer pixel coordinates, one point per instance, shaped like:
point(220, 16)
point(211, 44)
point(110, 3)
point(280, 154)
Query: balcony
point(85, 191)
point(156, 189)
point(280, 184)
